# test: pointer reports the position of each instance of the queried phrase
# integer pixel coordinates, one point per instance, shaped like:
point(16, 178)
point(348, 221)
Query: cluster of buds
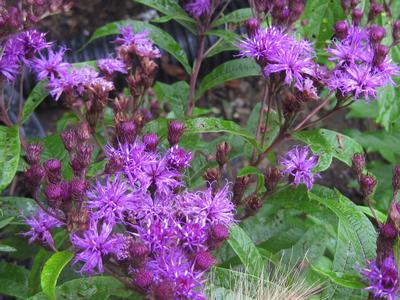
point(22, 14)
point(367, 182)
point(213, 174)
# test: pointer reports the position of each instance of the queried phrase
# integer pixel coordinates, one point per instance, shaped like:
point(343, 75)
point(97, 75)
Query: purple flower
point(299, 163)
point(92, 246)
point(198, 8)
point(111, 65)
point(139, 41)
point(383, 280)
point(9, 68)
point(213, 208)
point(49, 66)
point(178, 158)
point(33, 42)
point(109, 201)
point(193, 234)
point(40, 228)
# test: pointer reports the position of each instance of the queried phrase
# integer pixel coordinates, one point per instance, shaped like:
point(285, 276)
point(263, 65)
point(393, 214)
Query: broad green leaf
point(172, 9)
point(97, 287)
point(246, 250)
point(176, 95)
point(361, 232)
point(10, 148)
point(66, 119)
point(321, 16)
point(7, 248)
point(13, 280)
point(342, 279)
point(52, 270)
point(208, 125)
point(13, 206)
point(227, 41)
point(37, 95)
point(161, 38)
point(249, 170)
point(329, 144)
point(366, 210)
point(389, 110)
point(362, 110)
point(6, 221)
point(233, 69)
point(237, 16)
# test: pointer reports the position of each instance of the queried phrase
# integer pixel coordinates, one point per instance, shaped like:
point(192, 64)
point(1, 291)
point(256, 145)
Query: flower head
point(49, 66)
point(299, 163)
point(384, 280)
point(40, 228)
point(178, 158)
point(139, 42)
point(109, 66)
point(198, 8)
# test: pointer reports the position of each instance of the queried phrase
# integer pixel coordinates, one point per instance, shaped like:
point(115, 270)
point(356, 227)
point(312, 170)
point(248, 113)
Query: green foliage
point(37, 95)
point(13, 280)
point(175, 95)
point(10, 149)
point(236, 16)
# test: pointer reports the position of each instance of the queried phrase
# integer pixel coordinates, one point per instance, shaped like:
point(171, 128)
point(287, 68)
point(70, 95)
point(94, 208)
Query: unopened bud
point(84, 154)
point(33, 177)
point(151, 142)
point(222, 156)
point(357, 15)
point(380, 54)
point(164, 291)
point(389, 231)
point(53, 170)
point(203, 261)
point(83, 132)
point(396, 31)
point(219, 232)
point(175, 131)
point(367, 185)
point(358, 163)
point(396, 178)
point(113, 165)
point(33, 152)
point(54, 195)
point(295, 11)
point(376, 34)
point(239, 187)
point(354, 3)
point(69, 139)
point(140, 118)
point(253, 204)
point(78, 189)
point(374, 11)
point(252, 25)
point(272, 176)
point(211, 175)
point(126, 132)
point(345, 4)
point(143, 279)
point(78, 220)
point(290, 105)
point(341, 30)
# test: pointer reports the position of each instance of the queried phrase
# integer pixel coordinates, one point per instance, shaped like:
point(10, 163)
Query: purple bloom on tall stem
point(93, 245)
point(51, 65)
point(109, 66)
point(299, 163)
point(110, 200)
point(40, 228)
point(384, 280)
point(139, 41)
point(198, 8)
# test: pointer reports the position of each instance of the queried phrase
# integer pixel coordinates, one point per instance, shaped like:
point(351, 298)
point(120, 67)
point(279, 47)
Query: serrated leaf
point(246, 250)
point(230, 70)
point(329, 144)
point(37, 95)
point(52, 270)
point(236, 16)
point(10, 148)
point(161, 38)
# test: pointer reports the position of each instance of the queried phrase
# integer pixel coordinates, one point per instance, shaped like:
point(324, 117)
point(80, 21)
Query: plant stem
point(373, 211)
point(261, 117)
point(279, 139)
point(195, 74)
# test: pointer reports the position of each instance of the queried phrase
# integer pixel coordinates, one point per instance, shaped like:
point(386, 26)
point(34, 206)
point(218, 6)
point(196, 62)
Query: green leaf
point(52, 270)
point(13, 280)
point(342, 279)
point(6, 221)
point(172, 9)
point(227, 41)
point(329, 144)
point(366, 210)
point(208, 125)
point(13, 206)
point(237, 16)
point(10, 148)
point(37, 95)
point(321, 16)
point(248, 171)
point(66, 119)
point(176, 95)
point(7, 248)
point(161, 38)
point(389, 110)
point(361, 232)
point(97, 287)
point(230, 70)
point(245, 249)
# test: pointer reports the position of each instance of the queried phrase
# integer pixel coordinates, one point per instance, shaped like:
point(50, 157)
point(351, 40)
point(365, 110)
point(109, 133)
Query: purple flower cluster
point(299, 164)
point(170, 232)
point(362, 63)
point(384, 281)
point(279, 52)
point(198, 8)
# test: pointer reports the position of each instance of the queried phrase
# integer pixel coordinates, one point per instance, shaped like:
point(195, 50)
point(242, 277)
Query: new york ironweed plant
point(144, 188)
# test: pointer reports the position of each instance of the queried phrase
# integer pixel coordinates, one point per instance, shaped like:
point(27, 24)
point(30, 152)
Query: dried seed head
point(272, 176)
point(211, 175)
point(222, 155)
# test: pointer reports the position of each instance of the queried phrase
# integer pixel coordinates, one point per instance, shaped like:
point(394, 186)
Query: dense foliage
point(142, 193)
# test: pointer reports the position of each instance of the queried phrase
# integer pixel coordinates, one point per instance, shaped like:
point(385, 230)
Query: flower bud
point(126, 132)
point(272, 176)
point(358, 163)
point(140, 118)
point(164, 291)
point(252, 26)
point(78, 188)
point(84, 154)
point(357, 15)
point(388, 231)
point(33, 152)
point(113, 165)
point(69, 139)
point(396, 31)
point(376, 34)
point(54, 195)
point(203, 261)
point(175, 131)
point(295, 11)
point(211, 175)
point(341, 30)
point(151, 142)
point(367, 185)
point(53, 170)
point(380, 54)
point(78, 220)
point(219, 232)
point(345, 4)
point(143, 279)
point(253, 204)
point(33, 177)
point(222, 156)
point(83, 132)
point(138, 250)
point(354, 3)
point(155, 108)
point(239, 187)
point(396, 178)
point(374, 11)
